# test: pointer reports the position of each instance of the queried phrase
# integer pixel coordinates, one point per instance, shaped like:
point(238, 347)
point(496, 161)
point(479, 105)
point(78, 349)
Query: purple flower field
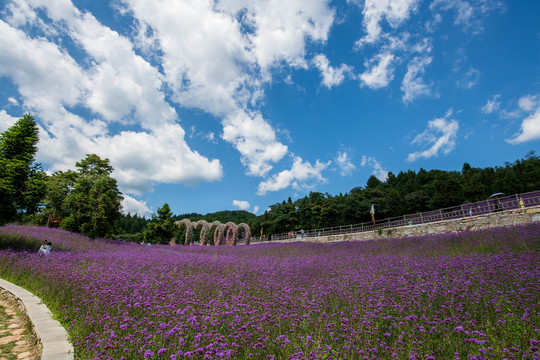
point(473, 295)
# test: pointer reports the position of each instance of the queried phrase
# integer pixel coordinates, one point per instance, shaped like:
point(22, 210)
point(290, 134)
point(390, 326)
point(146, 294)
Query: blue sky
point(240, 104)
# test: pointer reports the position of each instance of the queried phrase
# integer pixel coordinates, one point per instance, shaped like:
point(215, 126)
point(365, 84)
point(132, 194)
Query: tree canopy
point(160, 229)
point(87, 200)
point(22, 180)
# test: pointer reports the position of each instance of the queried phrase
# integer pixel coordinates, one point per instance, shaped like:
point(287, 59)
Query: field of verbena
point(469, 296)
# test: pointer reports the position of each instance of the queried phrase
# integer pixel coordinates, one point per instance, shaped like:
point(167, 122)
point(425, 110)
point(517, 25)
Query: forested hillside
point(405, 193)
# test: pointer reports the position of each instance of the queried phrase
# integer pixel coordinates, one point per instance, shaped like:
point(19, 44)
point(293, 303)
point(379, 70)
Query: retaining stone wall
point(503, 218)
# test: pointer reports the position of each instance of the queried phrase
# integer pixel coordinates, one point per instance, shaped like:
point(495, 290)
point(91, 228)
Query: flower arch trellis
point(204, 229)
point(247, 231)
point(189, 229)
point(228, 230)
point(213, 225)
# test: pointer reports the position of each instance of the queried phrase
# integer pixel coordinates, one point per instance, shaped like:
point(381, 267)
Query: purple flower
point(148, 354)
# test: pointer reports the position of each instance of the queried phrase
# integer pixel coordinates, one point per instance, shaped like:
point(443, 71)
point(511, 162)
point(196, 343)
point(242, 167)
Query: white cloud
point(468, 14)
point(117, 83)
point(471, 78)
point(394, 11)
point(297, 177)
point(225, 77)
point(413, 85)
point(211, 137)
point(492, 105)
point(378, 170)
point(49, 81)
point(256, 141)
point(255, 209)
point(6, 120)
point(441, 134)
point(142, 159)
point(13, 101)
point(331, 76)
point(529, 102)
point(241, 204)
point(530, 129)
point(379, 72)
point(343, 161)
point(134, 206)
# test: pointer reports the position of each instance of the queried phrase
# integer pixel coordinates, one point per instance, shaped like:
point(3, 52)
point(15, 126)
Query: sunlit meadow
point(472, 295)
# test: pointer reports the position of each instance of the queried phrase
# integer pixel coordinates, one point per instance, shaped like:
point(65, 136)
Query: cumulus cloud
point(378, 170)
point(379, 71)
point(393, 11)
point(244, 205)
point(123, 79)
point(492, 105)
point(331, 76)
point(440, 135)
point(50, 82)
point(221, 77)
point(133, 206)
point(299, 176)
point(530, 129)
point(256, 141)
point(344, 163)
point(241, 204)
point(6, 120)
point(413, 85)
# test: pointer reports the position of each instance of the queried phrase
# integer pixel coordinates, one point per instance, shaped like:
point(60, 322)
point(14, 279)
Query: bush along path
point(17, 340)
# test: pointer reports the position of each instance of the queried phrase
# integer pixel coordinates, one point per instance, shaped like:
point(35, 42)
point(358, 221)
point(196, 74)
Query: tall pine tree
point(22, 181)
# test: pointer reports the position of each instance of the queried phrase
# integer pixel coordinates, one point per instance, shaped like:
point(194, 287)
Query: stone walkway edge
point(51, 334)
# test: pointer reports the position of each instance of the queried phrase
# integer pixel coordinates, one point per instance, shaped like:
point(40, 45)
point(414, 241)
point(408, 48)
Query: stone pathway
point(17, 340)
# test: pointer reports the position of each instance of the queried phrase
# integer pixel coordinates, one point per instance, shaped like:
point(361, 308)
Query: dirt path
point(17, 340)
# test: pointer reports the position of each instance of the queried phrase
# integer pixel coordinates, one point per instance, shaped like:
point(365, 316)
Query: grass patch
point(18, 242)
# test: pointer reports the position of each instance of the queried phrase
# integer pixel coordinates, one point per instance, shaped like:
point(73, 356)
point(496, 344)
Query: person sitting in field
point(45, 248)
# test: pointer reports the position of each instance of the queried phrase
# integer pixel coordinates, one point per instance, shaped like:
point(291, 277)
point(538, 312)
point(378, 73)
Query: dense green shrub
point(137, 238)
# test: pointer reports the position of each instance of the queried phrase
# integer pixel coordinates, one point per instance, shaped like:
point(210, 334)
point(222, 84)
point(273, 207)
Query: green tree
point(160, 229)
point(22, 181)
point(88, 200)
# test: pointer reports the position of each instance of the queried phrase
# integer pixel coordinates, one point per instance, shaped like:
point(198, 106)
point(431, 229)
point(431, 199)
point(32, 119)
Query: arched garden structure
point(223, 233)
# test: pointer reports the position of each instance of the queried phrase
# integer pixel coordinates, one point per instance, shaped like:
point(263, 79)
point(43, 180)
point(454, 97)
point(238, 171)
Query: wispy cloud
point(529, 102)
point(470, 79)
point(468, 14)
point(394, 12)
point(492, 105)
point(344, 163)
point(378, 170)
point(413, 85)
point(440, 134)
point(379, 71)
point(332, 76)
